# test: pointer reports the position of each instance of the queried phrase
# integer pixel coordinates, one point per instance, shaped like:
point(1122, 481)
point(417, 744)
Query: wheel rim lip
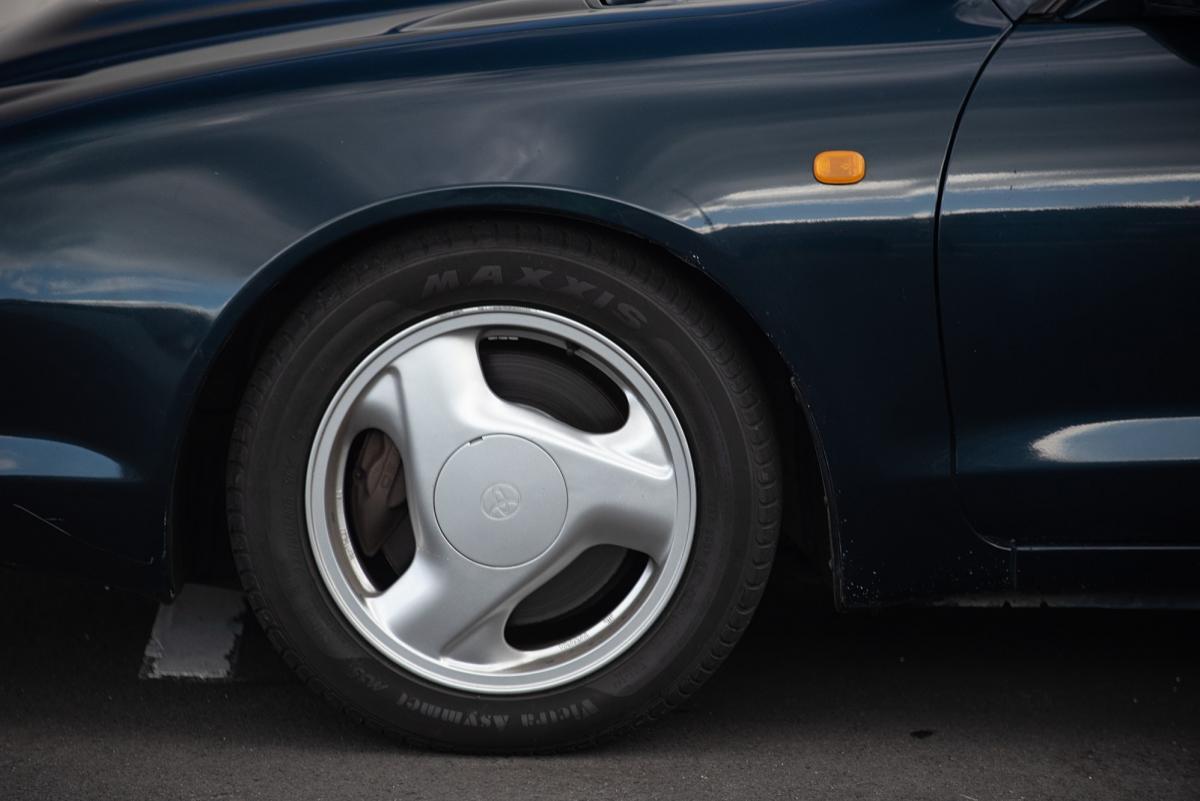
point(334, 555)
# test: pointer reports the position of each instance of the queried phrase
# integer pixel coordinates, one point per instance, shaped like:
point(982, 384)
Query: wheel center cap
point(500, 500)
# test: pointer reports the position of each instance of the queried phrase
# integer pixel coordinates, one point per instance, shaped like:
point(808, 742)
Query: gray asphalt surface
point(947, 704)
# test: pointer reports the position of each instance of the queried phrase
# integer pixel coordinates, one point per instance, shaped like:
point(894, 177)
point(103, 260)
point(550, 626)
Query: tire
point(651, 330)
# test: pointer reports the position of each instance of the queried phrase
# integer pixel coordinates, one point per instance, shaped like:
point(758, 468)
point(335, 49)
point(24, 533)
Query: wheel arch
point(197, 541)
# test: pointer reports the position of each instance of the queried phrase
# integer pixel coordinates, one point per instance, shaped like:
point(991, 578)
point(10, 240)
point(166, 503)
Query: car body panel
point(1068, 277)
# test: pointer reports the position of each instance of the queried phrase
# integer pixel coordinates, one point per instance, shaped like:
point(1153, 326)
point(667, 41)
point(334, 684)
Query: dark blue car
point(497, 342)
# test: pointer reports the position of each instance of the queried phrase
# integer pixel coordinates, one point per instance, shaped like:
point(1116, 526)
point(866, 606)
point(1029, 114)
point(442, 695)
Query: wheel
point(506, 487)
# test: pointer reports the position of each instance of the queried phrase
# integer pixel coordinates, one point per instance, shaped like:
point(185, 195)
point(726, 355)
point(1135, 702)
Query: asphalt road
point(916, 704)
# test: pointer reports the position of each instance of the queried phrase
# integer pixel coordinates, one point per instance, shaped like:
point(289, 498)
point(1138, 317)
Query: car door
point(1069, 283)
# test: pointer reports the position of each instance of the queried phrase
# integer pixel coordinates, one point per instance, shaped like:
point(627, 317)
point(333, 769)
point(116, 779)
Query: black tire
point(653, 312)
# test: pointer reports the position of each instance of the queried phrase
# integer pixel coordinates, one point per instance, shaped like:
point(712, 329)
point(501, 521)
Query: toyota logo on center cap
point(500, 501)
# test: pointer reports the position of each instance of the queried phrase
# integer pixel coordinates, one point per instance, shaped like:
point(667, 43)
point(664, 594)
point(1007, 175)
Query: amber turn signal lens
point(839, 167)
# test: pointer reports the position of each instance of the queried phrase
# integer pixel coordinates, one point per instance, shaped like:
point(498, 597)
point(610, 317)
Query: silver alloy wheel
point(502, 497)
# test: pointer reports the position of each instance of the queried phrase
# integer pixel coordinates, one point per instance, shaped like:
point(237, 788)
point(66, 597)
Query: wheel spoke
point(436, 603)
point(444, 399)
point(378, 407)
point(622, 485)
point(447, 606)
point(430, 400)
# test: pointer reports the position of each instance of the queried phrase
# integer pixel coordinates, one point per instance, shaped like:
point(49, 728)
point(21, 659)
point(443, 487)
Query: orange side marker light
point(839, 167)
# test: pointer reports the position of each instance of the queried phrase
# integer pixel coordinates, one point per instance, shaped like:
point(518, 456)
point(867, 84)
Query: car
point(493, 344)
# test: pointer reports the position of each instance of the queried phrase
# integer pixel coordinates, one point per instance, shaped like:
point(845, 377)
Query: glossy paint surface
point(145, 206)
point(1069, 275)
